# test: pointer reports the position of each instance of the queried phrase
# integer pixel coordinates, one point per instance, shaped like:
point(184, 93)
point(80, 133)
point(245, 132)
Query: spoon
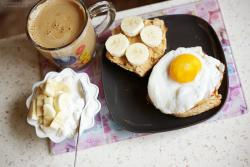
point(86, 97)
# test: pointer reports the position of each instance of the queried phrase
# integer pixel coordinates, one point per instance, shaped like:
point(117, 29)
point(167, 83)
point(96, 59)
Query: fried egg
point(182, 78)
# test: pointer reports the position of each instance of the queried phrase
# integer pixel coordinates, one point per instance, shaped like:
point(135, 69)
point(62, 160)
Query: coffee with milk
point(57, 23)
point(62, 31)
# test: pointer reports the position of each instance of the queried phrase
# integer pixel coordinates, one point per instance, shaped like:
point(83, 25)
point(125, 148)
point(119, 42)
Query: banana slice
point(57, 79)
point(33, 111)
point(40, 120)
point(117, 45)
point(41, 86)
point(39, 104)
point(47, 120)
point(46, 129)
point(50, 87)
point(58, 121)
point(132, 25)
point(151, 35)
point(48, 100)
point(62, 87)
point(60, 101)
point(69, 80)
point(49, 110)
point(137, 54)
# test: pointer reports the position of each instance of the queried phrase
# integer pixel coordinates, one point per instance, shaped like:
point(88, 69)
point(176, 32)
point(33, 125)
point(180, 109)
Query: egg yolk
point(184, 68)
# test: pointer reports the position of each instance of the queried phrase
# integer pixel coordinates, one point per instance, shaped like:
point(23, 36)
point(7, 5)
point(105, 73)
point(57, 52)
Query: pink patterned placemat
point(106, 130)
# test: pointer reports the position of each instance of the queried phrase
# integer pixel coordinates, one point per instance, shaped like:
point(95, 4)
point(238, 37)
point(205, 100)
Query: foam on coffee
point(56, 23)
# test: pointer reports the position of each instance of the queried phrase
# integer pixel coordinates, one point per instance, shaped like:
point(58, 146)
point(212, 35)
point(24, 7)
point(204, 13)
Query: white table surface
point(219, 143)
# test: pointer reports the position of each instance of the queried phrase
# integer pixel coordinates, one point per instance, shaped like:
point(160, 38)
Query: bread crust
point(203, 106)
point(155, 53)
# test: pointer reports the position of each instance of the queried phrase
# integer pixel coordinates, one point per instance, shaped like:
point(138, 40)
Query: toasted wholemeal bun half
point(155, 53)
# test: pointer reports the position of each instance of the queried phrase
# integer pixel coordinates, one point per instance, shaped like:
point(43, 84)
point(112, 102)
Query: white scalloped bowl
point(89, 112)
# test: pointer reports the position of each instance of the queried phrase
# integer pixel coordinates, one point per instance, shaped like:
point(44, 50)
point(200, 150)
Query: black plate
point(125, 92)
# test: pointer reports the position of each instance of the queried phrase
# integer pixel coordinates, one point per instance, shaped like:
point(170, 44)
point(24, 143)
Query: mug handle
point(101, 7)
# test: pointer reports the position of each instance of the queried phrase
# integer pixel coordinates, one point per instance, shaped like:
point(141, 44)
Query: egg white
point(172, 97)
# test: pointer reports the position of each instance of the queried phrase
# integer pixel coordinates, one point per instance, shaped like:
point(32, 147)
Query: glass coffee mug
point(78, 53)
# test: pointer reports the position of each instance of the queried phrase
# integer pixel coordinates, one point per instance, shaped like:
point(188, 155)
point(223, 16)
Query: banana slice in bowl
point(52, 115)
